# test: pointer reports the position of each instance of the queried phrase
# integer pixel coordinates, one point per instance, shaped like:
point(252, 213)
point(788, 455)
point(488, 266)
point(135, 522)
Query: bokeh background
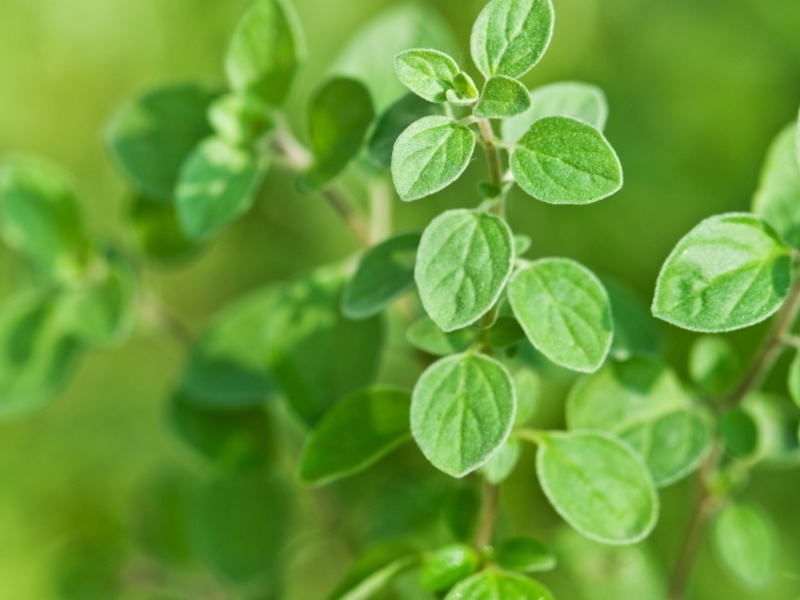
point(697, 90)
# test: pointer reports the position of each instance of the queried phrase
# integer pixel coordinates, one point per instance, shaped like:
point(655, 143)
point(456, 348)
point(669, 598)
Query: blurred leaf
point(739, 432)
point(746, 543)
point(158, 233)
point(502, 463)
point(528, 385)
point(525, 555)
point(714, 364)
point(502, 97)
point(585, 474)
point(729, 272)
point(374, 570)
point(425, 335)
point(522, 243)
point(635, 331)
point(462, 411)
point(504, 333)
point(461, 512)
point(163, 516)
point(151, 136)
point(355, 433)
point(266, 51)
point(394, 121)
point(427, 73)
point(240, 119)
point(492, 583)
point(445, 567)
point(793, 382)
point(218, 184)
point(776, 421)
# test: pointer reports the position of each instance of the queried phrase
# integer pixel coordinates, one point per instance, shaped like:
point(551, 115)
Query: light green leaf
point(580, 101)
point(425, 335)
point(776, 422)
point(393, 122)
point(525, 555)
point(375, 570)
point(338, 119)
point(240, 119)
point(565, 312)
point(355, 433)
point(793, 383)
point(729, 272)
point(464, 261)
point(447, 566)
point(385, 272)
point(430, 155)
point(464, 91)
point(746, 544)
point(462, 411)
point(158, 232)
point(529, 391)
point(777, 199)
point(151, 136)
point(598, 485)
point(40, 216)
point(510, 36)
point(266, 51)
point(502, 462)
point(635, 330)
point(218, 184)
point(492, 584)
point(714, 364)
point(561, 160)
point(522, 243)
point(427, 73)
point(502, 97)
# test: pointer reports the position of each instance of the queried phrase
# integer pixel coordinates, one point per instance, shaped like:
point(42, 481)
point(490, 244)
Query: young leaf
point(425, 335)
point(793, 384)
point(218, 184)
point(447, 566)
point(240, 119)
point(394, 121)
point(502, 462)
point(635, 330)
point(462, 411)
point(355, 433)
point(338, 119)
point(464, 261)
point(385, 272)
point(729, 272)
point(491, 584)
point(776, 423)
point(40, 216)
point(151, 136)
point(524, 555)
point(502, 97)
point(430, 155)
point(427, 73)
point(739, 432)
point(374, 571)
point(598, 485)
point(565, 312)
point(713, 364)
point(510, 36)
point(580, 101)
point(266, 51)
point(158, 232)
point(747, 545)
point(464, 91)
point(561, 160)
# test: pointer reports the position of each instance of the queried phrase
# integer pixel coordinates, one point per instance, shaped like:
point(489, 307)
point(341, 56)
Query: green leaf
point(151, 136)
point(430, 155)
point(266, 51)
point(427, 73)
point(338, 119)
point(635, 330)
point(777, 199)
point(739, 432)
point(776, 422)
point(529, 390)
point(580, 101)
point(525, 555)
point(561, 160)
point(40, 216)
point(425, 335)
point(240, 119)
point(37, 353)
point(393, 122)
point(492, 584)
point(461, 512)
point(565, 312)
point(447, 566)
point(502, 463)
point(385, 272)
point(729, 272)
point(355, 433)
point(522, 243)
point(464, 92)
point(218, 184)
point(464, 261)
point(504, 333)
point(598, 485)
point(793, 383)
point(643, 402)
point(462, 411)
point(510, 36)
point(158, 232)
point(714, 364)
point(502, 97)
point(374, 571)
point(746, 544)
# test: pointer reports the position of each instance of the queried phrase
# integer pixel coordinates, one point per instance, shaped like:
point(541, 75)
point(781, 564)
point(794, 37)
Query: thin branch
point(488, 518)
point(164, 319)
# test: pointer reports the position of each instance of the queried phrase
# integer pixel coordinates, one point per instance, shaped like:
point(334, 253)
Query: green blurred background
point(697, 89)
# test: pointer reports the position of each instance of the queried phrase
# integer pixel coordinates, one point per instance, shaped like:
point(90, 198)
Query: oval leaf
point(462, 411)
point(427, 73)
point(491, 584)
point(449, 565)
point(158, 232)
point(425, 335)
point(714, 364)
point(525, 555)
point(747, 545)
point(729, 272)
point(393, 122)
point(240, 119)
point(502, 97)
point(502, 462)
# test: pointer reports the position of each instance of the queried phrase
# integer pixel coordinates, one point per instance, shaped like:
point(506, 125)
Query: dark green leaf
point(425, 335)
point(525, 555)
point(502, 97)
point(635, 330)
point(394, 121)
point(158, 232)
point(739, 432)
point(447, 566)
point(714, 364)
point(461, 512)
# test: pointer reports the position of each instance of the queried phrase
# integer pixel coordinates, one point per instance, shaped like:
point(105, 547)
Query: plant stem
point(161, 316)
point(488, 518)
point(492, 151)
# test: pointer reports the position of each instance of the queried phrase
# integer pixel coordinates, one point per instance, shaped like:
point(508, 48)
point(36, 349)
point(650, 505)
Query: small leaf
point(151, 136)
point(522, 243)
point(504, 333)
point(425, 335)
point(776, 422)
point(502, 462)
point(464, 91)
point(793, 384)
point(158, 232)
point(729, 272)
point(502, 97)
point(462, 411)
point(218, 184)
point(529, 391)
point(430, 155)
point(385, 272)
point(510, 36)
point(524, 555)
point(561, 160)
point(427, 73)
point(447, 566)
point(461, 512)
point(491, 584)
point(338, 119)
point(747, 545)
point(355, 433)
point(394, 121)
point(713, 364)
point(635, 330)
point(580, 101)
point(464, 261)
point(240, 119)
point(565, 312)
point(598, 485)
point(266, 51)
point(374, 571)
point(739, 432)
